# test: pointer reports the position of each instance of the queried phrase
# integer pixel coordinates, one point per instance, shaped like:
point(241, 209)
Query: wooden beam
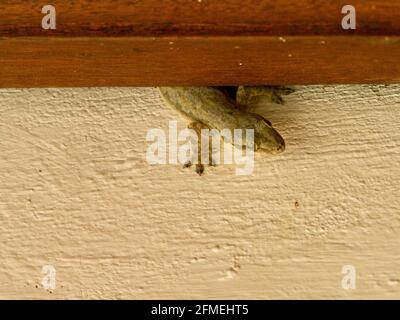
point(130, 61)
point(207, 42)
point(198, 17)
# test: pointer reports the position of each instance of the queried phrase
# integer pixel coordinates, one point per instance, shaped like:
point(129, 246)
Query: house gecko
point(225, 108)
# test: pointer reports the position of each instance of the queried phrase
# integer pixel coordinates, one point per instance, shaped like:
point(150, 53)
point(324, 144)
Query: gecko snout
point(272, 142)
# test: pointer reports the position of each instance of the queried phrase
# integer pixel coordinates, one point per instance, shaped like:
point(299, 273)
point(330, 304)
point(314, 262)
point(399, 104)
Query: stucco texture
point(77, 193)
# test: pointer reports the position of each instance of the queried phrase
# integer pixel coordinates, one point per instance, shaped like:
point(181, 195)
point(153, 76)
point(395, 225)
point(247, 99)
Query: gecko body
point(217, 108)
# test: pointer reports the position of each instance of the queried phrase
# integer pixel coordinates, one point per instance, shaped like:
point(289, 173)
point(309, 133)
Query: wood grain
point(208, 42)
point(194, 17)
point(138, 61)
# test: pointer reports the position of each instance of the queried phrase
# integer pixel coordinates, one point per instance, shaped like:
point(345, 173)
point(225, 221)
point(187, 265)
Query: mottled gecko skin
point(214, 108)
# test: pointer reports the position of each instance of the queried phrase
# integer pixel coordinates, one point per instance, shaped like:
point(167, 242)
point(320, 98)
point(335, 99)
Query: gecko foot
point(199, 169)
point(197, 127)
point(246, 96)
point(188, 164)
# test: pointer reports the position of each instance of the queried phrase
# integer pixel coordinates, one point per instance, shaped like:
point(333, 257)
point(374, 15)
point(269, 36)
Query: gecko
point(225, 108)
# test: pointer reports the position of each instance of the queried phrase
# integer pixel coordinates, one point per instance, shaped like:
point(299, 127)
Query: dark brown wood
point(198, 42)
point(133, 61)
point(198, 17)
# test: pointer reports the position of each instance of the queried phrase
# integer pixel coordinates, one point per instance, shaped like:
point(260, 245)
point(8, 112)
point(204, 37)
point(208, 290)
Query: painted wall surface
point(77, 193)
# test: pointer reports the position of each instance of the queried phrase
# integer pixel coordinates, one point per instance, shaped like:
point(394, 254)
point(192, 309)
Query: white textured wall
point(76, 192)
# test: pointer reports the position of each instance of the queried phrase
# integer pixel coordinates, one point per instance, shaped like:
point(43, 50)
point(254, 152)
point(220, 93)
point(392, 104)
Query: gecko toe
point(213, 164)
point(188, 164)
point(199, 169)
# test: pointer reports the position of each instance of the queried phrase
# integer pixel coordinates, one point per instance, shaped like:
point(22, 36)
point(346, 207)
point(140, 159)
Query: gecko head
point(267, 139)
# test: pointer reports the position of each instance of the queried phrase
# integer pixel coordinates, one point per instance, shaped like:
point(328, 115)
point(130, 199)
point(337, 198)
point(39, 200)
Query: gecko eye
point(268, 122)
